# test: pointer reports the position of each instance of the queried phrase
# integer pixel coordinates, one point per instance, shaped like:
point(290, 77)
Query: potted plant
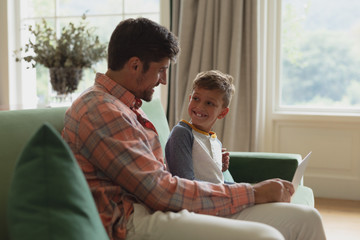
point(66, 57)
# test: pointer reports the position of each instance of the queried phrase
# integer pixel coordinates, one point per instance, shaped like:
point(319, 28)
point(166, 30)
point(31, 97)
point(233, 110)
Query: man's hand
point(225, 159)
point(273, 190)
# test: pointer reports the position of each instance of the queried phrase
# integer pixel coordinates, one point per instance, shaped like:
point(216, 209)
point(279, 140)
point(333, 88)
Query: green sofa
point(18, 126)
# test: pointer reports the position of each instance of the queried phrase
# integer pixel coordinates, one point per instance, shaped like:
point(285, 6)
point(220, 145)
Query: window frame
point(15, 86)
point(270, 34)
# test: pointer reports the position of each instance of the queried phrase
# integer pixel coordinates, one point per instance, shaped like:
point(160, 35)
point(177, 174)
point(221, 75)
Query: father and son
point(137, 195)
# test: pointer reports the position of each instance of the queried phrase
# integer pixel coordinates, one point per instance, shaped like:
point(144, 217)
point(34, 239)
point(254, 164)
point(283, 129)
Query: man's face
point(155, 75)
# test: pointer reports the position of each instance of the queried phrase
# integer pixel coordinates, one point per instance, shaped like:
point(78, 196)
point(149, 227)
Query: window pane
point(37, 8)
point(103, 15)
point(141, 6)
point(320, 53)
point(104, 25)
point(153, 17)
point(79, 7)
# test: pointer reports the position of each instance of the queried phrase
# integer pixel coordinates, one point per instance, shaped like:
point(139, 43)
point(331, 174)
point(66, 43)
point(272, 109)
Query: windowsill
point(326, 112)
point(23, 107)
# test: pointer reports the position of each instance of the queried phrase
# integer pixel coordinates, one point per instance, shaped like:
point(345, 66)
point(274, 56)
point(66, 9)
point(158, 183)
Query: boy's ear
point(223, 113)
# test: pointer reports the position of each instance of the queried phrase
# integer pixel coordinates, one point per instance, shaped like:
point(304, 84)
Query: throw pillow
point(49, 197)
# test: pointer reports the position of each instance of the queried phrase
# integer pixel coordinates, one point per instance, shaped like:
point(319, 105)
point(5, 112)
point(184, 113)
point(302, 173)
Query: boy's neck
point(211, 133)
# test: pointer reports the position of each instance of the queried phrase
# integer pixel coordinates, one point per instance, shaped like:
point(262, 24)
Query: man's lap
point(292, 220)
point(187, 225)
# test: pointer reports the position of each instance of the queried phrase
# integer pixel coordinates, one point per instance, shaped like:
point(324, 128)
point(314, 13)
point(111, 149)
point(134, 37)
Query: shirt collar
point(117, 91)
point(211, 133)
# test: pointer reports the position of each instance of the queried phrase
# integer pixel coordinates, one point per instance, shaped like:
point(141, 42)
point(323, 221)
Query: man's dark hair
point(141, 38)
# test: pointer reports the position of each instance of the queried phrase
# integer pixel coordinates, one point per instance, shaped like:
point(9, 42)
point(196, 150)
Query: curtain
point(222, 35)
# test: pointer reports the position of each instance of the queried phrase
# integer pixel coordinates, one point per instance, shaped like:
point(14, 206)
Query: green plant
point(77, 46)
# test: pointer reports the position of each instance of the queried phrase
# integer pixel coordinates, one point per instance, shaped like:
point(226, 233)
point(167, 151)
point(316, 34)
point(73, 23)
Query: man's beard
point(147, 94)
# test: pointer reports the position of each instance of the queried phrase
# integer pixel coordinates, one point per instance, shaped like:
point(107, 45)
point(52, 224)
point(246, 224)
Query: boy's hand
point(225, 160)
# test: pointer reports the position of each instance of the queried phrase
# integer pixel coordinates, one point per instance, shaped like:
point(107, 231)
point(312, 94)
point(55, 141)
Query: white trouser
point(264, 221)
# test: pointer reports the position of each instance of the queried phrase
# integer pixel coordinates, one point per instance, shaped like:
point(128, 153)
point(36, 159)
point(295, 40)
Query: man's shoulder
point(94, 100)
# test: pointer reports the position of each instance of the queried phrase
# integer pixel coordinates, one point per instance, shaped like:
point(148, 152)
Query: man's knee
point(267, 233)
point(309, 224)
point(311, 216)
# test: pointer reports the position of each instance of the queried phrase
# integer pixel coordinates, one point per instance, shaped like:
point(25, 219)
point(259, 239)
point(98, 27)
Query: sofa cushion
point(17, 126)
point(155, 112)
point(49, 197)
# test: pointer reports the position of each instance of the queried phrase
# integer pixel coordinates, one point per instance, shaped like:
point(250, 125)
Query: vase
point(65, 80)
point(60, 100)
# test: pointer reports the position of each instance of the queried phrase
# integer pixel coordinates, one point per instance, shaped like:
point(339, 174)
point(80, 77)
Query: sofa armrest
point(253, 167)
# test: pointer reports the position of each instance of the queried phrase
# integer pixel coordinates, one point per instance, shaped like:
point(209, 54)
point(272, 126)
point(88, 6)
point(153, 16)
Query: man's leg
point(186, 225)
point(292, 220)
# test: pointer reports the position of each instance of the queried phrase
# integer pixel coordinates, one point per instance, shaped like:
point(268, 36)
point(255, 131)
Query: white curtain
point(217, 34)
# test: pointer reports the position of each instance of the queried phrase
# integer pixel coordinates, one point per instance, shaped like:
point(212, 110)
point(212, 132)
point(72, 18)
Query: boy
point(193, 150)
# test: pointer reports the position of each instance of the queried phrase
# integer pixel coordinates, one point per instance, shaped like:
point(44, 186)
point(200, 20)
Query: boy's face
point(205, 107)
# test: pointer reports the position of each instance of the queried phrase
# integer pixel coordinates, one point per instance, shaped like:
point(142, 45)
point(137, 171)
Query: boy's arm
point(178, 152)
point(225, 159)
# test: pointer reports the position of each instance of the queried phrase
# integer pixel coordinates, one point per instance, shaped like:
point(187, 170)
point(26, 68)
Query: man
point(120, 154)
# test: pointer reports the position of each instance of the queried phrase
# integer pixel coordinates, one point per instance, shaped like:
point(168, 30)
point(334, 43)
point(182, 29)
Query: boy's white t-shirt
point(194, 154)
point(207, 157)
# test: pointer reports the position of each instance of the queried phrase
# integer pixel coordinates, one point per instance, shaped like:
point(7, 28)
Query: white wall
point(165, 21)
point(4, 67)
point(334, 139)
point(334, 167)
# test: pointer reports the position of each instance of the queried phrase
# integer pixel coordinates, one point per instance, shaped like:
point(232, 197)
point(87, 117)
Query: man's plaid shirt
point(123, 162)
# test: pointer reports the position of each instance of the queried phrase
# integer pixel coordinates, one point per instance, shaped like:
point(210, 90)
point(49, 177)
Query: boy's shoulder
point(182, 128)
point(184, 124)
point(181, 135)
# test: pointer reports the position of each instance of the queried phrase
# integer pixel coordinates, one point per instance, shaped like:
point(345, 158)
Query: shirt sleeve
point(178, 152)
point(124, 153)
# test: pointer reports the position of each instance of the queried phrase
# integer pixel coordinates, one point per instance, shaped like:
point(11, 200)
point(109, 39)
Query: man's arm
point(130, 157)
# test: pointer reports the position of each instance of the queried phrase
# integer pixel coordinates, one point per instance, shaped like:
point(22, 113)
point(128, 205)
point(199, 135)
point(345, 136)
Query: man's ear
point(223, 113)
point(134, 63)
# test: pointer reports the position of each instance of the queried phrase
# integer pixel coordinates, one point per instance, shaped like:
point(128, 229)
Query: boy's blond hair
point(216, 80)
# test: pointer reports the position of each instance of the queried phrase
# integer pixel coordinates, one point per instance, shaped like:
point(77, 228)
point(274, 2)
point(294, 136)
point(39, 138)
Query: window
point(320, 55)
point(33, 86)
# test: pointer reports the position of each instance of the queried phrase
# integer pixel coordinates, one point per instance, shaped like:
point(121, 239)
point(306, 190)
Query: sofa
point(30, 168)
